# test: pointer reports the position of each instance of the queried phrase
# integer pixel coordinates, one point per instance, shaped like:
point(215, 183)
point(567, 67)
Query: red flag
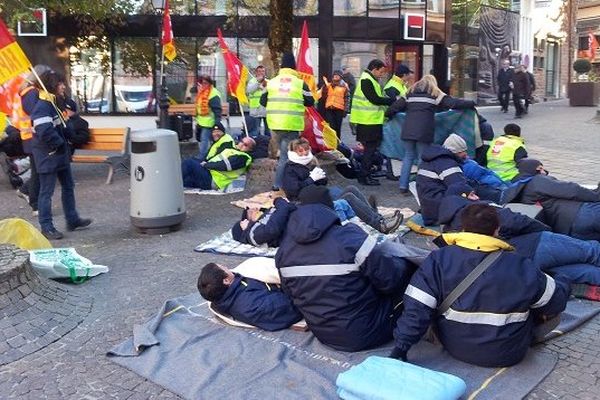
point(592, 45)
point(304, 64)
point(167, 41)
point(237, 72)
point(318, 132)
point(12, 59)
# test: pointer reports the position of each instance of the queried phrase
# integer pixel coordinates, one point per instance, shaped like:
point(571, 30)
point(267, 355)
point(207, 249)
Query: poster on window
point(414, 27)
point(33, 24)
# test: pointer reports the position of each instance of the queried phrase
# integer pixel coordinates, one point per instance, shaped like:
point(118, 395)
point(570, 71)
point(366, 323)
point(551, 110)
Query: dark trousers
point(195, 175)
point(503, 99)
point(367, 159)
point(32, 187)
point(334, 118)
point(47, 183)
point(519, 102)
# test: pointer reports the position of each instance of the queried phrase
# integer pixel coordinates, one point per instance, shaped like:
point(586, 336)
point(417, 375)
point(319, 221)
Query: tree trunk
point(281, 32)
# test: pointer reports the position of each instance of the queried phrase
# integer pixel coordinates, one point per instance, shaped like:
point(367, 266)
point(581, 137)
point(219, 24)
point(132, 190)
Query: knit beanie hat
point(313, 194)
point(288, 61)
point(338, 72)
point(455, 143)
point(528, 167)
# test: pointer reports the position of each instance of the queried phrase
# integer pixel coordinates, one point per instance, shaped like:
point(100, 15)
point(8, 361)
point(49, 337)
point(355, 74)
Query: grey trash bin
point(157, 203)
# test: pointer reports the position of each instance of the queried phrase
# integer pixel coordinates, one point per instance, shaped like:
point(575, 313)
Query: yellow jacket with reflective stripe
point(363, 111)
point(207, 120)
point(398, 84)
point(214, 148)
point(222, 179)
point(285, 102)
point(501, 156)
point(254, 97)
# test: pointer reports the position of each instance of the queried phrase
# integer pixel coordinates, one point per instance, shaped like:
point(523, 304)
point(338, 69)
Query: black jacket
point(561, 200)
point(349, 311)
point(420, 109)
point(78, 131)
point(295, 178)
point(270, 227)
point(522, 86)
point(504, 78)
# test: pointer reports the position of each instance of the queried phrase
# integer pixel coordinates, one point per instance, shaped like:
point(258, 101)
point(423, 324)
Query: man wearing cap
point(224, 163)
point(439, 169)
point(335, 97)
point(397, 86)
point(286, 97)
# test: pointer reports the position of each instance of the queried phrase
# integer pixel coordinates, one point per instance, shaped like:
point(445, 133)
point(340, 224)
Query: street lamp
point(163, 99)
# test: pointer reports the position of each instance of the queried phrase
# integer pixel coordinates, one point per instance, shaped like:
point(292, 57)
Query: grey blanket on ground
point(186, 350)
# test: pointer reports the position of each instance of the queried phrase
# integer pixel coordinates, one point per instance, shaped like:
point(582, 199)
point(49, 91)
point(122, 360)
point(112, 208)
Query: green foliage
point(582, 65)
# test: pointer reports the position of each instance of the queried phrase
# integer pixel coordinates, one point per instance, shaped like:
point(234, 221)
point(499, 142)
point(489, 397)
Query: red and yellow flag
point(237, 72)
point(168, 42)
point(304, 64)
point(592, 45)
point(12, 59)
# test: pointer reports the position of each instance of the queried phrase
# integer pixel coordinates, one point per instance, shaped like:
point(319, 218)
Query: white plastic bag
point(64, 263)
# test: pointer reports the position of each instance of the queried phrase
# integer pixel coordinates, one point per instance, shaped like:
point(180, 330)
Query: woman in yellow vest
point(368, 108)
point(208, 113)
point(335, 98)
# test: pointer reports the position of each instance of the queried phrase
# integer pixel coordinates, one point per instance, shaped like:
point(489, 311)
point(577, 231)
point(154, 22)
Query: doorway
point(409, 55)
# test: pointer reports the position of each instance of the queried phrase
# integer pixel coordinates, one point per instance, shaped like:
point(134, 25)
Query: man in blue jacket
point(577, 260)
point(345, 284)
point(247, 300)
point(494, 321)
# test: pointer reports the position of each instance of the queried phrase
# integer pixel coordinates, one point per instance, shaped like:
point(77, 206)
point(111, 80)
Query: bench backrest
point(107, 139)
point(190, 109)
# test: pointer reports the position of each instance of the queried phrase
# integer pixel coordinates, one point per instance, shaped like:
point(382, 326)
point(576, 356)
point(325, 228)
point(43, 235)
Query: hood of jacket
point(310, 222)
point(476, 241)
point(450, 207)
point(434, 151)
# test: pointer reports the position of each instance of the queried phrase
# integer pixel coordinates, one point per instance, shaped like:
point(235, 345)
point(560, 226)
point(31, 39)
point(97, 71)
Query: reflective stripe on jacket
point(207, 120)
point(224, 141)
point(398, 84)
point(222, 179)
point(501, 156)
point(285, 105)
point(363, 111)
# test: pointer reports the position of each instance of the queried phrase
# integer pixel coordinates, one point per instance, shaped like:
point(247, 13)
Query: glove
point(317, 174)
point(398, 354)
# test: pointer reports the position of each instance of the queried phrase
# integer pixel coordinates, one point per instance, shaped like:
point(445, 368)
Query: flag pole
point(243, 119)
point(60, 115)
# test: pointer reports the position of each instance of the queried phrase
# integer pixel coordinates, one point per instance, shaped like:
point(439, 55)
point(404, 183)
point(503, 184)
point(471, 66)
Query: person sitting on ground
point(505, 151)
point(258, 226)
point(568, 208)
point(500, 327)
point(340, 279)
point(439, 169)
point(575, 259)
point(299, 173)
point(247, 300)
point(78, 129)
point(486, 183)
point(222, 168)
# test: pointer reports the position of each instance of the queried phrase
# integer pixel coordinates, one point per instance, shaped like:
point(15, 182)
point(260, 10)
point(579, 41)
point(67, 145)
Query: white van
point(133, 99)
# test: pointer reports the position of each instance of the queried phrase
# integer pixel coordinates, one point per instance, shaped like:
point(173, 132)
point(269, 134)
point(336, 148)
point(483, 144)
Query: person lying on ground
point(480, 327)
point(575, 259)
point(247, 300)
point(345, 284)
point(439, 169)
point(220, 169)
point(568, 208)
point(299, 172)
point(505, 152)
point(259, 226)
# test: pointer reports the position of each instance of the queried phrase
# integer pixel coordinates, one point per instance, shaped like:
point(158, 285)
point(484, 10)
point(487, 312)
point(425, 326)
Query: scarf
point(202, 101)
point(295, 158)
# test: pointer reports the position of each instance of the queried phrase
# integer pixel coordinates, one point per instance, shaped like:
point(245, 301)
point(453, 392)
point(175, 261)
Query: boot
point(388, 225)
point(368, 181)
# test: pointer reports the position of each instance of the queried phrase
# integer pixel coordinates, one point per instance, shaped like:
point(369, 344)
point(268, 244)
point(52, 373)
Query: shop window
point(384, 8)
point(252, 7)
point(306, 7)
point(357, 55)
point(134, 58)
point(436, 21)
point(91, 81)
point(180, 75)
point(350, 8)
point(215, 7)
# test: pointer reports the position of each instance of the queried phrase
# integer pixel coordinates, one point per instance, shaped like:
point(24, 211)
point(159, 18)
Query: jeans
point(412, 151)
point(282, 140)
point(503, 98)
point(204, 138)
point(586, 225)
point(47, 183)
point(555, 250)
point(343, 210)
point(359, 204)
point(578, 273)
point(33, 184)
point(195, 175)
point(253, 124)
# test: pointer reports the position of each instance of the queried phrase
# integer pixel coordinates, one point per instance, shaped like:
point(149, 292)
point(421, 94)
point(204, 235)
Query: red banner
point(237, 73)
point(167, 35)
point(12, 59)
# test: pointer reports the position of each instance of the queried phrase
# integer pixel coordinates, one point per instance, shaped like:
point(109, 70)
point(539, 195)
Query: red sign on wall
point(414, 27)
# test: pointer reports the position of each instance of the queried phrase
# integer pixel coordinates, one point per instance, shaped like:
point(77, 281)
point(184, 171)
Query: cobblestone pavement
point(146, 270)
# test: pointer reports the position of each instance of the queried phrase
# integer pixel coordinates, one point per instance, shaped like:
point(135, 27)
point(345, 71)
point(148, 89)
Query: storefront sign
point(414, 27)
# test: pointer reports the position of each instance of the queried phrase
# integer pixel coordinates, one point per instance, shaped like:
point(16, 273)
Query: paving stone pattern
point(146, 270)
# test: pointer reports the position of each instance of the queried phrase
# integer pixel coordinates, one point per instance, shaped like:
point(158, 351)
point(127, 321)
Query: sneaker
point(52, 235)
point(23, 196)
point(82, 223)
point(388, 225)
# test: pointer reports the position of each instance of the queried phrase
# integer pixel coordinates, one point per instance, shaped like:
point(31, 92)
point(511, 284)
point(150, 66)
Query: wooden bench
point(190, 109)
point(105, 140)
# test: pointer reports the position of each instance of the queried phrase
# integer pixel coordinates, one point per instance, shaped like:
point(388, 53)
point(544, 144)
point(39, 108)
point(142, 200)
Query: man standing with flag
point(368, 108)
point(285, 99)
